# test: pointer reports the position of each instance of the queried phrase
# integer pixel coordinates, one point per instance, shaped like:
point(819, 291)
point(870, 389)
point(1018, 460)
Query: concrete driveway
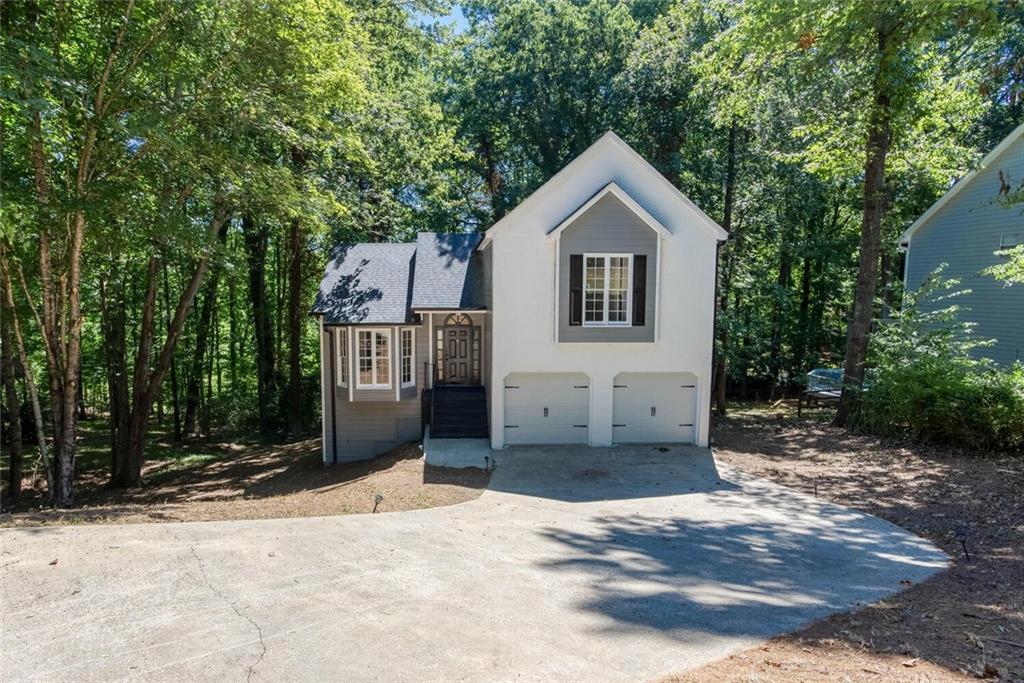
point(604, 565)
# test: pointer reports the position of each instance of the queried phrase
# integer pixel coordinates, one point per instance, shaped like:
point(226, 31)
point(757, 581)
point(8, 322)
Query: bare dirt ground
point(967, 622)
point(257, 482)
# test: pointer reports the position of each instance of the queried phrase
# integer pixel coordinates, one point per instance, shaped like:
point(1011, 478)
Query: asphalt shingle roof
point(380, 283)
point(367, 283)
point(448, 271)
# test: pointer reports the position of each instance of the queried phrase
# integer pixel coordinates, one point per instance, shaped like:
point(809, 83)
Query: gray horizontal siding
point(375, 422)
point(609, 226)
point(964, 234)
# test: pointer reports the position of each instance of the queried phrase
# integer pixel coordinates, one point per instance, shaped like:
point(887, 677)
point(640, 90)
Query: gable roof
point(449, 274)
point(961, 184)
point(613, 189)
point(367, 283)
point(607, 141)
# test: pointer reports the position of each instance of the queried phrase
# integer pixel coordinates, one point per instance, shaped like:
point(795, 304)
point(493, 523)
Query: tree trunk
point(233, 340)
point(296, 258)
point(193, 386)
point(875, 198)
point(147, 383)
point(175, 406)
point(114, 325)
point(780, 311)
point(725, 285)
point(803, 318)
point(13, 403)
point(33, 394)
point(256, 241)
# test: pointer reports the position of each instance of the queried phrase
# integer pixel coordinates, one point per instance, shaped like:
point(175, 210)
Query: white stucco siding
point(524, 277)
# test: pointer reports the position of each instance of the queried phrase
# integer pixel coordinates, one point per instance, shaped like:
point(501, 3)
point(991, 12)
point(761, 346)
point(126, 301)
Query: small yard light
point(377, 500)
point(961, 535)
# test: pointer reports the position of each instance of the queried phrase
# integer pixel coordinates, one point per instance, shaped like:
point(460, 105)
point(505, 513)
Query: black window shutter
point(576, 289)
point(639, 289)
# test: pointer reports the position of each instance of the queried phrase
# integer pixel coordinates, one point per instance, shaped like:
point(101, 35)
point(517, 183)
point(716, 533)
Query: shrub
point(926, 383)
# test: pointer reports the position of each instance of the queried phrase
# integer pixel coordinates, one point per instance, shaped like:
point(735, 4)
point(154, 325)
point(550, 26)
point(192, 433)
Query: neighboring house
point(584, 316)
point(966, 229)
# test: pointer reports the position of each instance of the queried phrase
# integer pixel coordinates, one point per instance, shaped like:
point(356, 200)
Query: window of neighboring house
point(374, 359)
point(407, 358)
point(342, 339)
point(607, 297)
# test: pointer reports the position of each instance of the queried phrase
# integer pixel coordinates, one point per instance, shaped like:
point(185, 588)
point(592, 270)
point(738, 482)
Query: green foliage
point(927, 383)
point(1010, 271)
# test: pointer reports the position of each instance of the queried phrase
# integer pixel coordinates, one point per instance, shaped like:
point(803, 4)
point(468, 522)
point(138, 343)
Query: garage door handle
point(620, 386)
point(511, 387)
point(688, 386)
point(545, 412)
point(653, 411)
point(622, 425)
point(583, 426)
point(687, 425)
point(511, 426)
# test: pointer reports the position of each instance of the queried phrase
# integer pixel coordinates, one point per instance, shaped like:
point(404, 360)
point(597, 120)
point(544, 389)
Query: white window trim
point(373, 355)
point(628, 322)
point(341, 349)
point(412, 356)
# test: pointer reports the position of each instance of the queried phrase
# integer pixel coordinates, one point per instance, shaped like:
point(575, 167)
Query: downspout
point(334, 391)
point(714, 330)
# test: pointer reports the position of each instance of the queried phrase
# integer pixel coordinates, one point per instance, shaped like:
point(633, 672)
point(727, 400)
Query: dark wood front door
point(458, 354)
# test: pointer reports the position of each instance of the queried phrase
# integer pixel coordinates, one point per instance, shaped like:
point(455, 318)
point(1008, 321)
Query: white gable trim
point(609, 138)
point(961, 184)
point(613, 189)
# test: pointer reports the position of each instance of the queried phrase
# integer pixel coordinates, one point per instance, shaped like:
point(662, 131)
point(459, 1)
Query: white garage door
point(546, 408)
point(652, 407)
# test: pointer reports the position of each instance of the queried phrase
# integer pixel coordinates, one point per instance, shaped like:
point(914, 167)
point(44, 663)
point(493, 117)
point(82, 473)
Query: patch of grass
point(94, 450)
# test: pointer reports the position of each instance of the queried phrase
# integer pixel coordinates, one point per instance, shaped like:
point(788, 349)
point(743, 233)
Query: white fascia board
point(609, 138)
point(620, 194)
point(706, 220)
point(960, 185)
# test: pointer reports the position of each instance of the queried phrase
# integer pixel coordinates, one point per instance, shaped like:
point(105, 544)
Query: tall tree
point(880, 50)
point(12, 403)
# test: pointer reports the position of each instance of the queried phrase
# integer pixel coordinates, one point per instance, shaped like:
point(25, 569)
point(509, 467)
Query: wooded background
point(176, 174)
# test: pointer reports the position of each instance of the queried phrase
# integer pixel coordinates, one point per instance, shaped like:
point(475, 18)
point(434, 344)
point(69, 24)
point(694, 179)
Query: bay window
point(374, 359)
point(342, 340)
point(408, 376)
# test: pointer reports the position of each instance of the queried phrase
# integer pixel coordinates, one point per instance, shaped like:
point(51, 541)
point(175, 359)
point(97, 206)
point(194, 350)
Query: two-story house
point(968, 230)
point(583, 316)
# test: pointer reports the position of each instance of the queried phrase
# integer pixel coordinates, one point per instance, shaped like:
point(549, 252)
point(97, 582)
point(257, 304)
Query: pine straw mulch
point(967, 622)
point(259, 481)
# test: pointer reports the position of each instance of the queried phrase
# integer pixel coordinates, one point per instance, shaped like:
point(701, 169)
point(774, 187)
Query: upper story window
point(374, 358)
point(342, 339)
point(407, 358)
point(607, 298)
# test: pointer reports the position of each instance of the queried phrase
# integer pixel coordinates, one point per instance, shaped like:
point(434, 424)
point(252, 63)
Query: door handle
point(545, 412)
point(654, 411)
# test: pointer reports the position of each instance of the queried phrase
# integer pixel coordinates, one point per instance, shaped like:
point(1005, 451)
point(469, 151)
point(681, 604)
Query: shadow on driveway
point(747, 558)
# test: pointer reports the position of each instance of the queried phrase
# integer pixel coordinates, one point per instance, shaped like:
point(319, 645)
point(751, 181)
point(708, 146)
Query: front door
point(458, 344)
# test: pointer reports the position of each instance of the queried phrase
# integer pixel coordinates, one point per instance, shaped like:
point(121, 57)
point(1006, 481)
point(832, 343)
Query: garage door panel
point(535, 415)
point(654, 407)
point(545, 434)
point(546, 408)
